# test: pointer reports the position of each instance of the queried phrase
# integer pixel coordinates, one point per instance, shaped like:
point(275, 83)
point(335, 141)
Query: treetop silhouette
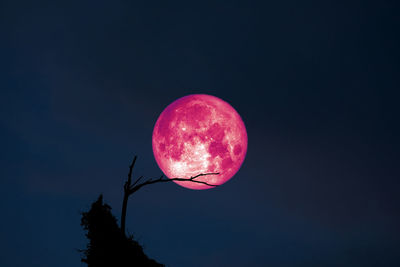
point(108, 246)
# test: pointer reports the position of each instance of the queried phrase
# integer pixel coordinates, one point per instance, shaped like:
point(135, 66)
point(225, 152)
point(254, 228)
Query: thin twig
point(128, 182)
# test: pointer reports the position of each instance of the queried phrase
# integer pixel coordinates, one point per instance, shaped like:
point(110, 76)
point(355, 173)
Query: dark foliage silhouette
point(108, 245)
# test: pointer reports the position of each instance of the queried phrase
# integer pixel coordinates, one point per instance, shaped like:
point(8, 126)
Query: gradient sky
point(316, 83)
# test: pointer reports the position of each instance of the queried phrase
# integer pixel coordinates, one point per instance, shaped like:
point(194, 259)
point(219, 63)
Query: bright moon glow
point(199, 134)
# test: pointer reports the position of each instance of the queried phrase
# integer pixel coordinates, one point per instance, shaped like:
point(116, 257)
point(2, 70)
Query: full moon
point(199, 134)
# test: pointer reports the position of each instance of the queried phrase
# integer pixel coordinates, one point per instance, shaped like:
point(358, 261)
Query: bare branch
point(140, 178)
point(130, 188)
point(133, 189)
point(128, 182)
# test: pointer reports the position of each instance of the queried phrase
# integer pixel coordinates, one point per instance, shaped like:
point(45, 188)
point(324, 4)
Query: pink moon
point(199, 134)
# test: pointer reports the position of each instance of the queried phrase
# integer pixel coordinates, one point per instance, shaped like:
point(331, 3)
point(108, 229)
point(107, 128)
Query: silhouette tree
point(108, 245)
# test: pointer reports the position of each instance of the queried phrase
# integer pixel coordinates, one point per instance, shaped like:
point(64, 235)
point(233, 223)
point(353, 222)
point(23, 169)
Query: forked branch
point(130, 188)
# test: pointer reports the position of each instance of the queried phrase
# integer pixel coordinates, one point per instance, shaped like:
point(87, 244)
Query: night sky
point(316, 83)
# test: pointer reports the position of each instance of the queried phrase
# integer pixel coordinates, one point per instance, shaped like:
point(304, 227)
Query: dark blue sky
point(316, 82)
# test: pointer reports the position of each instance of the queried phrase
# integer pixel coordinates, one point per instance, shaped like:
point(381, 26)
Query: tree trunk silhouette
point(126, 195)
point(123, 214)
